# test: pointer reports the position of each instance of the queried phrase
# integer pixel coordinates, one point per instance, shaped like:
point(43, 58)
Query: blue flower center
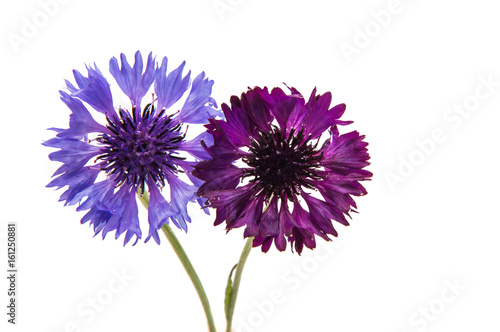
point(281, 164)
point(140, 147)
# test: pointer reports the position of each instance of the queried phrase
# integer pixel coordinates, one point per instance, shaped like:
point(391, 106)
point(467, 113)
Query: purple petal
point(285, 226)
point(230, 204)
point(280, 104)
point(269, 224)
point(346, 154)
point(257, 110)
point(223, 148)
point(250, 218)
point(322, 213)
point(217, 178)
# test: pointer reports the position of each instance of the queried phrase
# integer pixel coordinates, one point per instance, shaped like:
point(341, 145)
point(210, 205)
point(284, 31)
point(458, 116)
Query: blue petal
point(81, 122)
point(195, 109)
point(97, 218)
point(169, 89)
point(188, 167)
point(159, 211)
point(181, 194)
point(97, 193)
point(73, 153)
point(129, 220)
point(116, 212)
point(77, 182)
point(94, 90)
point(194, 147)
point(133, 82)
point(94, 193)
point(80, 80)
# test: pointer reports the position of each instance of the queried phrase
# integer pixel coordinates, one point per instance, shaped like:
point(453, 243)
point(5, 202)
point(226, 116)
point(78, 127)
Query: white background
point(437, 226)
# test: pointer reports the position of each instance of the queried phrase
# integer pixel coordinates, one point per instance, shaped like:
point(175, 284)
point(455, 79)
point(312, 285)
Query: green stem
point(181, 254)
point(236, 283)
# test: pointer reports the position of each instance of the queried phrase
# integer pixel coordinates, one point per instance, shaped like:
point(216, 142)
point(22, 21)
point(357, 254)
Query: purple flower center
point(281, 164)
point(140, 147)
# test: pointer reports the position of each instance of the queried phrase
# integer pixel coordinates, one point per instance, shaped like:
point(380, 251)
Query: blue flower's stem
point(181, 254)
point(236, 283)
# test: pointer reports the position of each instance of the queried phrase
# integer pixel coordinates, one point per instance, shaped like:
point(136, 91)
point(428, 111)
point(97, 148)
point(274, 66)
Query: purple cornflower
point(135, 149)
point(289, 186)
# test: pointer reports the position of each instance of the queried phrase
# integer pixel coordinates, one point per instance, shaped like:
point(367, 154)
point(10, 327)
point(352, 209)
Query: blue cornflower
point(137, 149)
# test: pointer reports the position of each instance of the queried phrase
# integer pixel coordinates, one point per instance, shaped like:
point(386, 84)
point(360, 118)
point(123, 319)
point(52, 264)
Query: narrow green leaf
point(229, 292)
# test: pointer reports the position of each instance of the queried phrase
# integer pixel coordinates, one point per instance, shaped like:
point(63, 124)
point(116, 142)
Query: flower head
point(133, 149)
point(291, 183)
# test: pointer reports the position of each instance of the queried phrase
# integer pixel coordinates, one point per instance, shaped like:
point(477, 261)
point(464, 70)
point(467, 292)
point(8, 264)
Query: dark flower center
point(281, 164)
point(140, 147)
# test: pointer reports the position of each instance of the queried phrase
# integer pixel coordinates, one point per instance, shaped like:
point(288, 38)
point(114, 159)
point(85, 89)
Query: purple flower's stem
point(181, 254)
point(236, 283)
